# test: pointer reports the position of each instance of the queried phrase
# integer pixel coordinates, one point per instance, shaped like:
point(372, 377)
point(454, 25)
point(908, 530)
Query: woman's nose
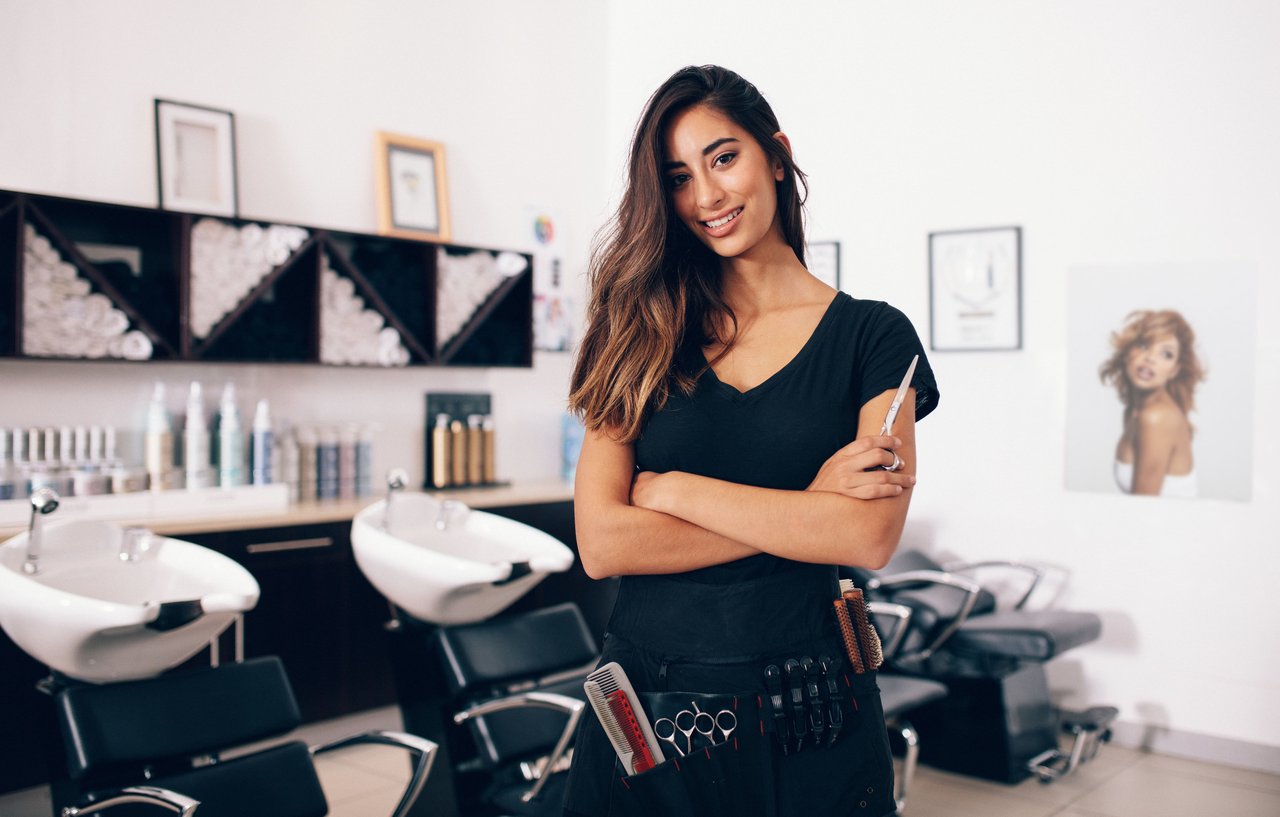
point(709, 193)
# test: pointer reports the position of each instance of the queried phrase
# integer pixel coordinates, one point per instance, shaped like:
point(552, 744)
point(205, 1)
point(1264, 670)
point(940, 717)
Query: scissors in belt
point(688, 723)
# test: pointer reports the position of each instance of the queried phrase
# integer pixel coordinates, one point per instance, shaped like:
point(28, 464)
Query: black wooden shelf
point(141, 261)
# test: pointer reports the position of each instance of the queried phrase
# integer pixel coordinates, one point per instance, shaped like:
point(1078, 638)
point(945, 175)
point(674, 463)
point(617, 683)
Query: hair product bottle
point(457, 453)
point(263, 452)
point(230, 440)
point(440, 458)
point(475, 449)
point(195, 440)
point(490, 471)
point(158, 459)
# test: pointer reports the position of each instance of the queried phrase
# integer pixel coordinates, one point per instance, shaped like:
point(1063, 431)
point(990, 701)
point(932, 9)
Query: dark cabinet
point(316, 612)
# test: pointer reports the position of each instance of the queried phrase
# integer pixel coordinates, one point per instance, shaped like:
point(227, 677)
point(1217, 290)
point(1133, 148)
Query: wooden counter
point(528, 492)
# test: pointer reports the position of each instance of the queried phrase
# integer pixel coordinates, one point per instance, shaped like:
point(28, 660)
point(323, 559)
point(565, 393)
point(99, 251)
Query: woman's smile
point(719, 227)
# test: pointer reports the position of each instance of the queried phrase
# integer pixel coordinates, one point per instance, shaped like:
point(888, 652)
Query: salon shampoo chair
point(141, 748)
point(516, 686)
point(901, 695)
point(997, 722)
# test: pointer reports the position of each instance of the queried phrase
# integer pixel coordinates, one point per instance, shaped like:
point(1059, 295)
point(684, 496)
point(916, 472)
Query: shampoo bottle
point(440, 457)
point(159, 442)
point(230, 440)
point(195, 440)
point(475, 449)
point(457, 453)
point(263, 445)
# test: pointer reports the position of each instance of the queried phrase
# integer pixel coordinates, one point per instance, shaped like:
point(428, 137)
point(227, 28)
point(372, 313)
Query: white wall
point(1113, 133)
point(512, 89)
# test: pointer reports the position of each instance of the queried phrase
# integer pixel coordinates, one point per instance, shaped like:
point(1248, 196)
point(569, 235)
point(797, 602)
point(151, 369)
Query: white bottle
point(230, 440)
point(159, 444)
point(195, 440)
point(263, 452)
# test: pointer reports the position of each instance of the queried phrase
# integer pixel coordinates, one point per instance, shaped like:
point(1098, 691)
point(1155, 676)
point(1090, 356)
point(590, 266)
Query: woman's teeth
point(720, 222)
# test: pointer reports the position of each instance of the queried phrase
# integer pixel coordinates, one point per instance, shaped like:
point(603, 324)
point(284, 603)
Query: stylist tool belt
point(793, 727)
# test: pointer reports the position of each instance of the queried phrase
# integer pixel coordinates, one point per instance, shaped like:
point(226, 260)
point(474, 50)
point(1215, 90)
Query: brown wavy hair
point(654, 286)
point(1144, 326)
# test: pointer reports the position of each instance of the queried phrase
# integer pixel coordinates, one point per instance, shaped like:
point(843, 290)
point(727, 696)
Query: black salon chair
point(901, 695)
point(997, 721)
point(516, 683)
point(140, 747)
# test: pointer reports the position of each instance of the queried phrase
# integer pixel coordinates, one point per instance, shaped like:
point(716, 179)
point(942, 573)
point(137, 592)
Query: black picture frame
point(196, 159)
point(975, 290)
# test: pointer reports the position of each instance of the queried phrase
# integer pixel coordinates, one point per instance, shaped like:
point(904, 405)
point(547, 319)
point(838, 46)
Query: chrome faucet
point(44, 501)
point(451, 510)
point(397, 479)
point(133, 543)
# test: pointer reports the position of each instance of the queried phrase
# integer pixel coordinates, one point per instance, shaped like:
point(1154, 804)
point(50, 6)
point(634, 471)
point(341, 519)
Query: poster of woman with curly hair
point(1161, 371)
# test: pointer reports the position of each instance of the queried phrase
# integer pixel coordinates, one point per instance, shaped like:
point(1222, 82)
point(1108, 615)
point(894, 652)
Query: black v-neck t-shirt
point(779, 433)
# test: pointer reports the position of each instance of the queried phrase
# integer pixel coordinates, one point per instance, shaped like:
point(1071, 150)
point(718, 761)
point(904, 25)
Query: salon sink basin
point(444, 563)
point(94, 615)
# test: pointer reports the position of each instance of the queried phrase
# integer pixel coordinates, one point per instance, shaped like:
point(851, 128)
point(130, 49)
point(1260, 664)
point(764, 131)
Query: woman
point(1155, 371)
point(733, 405)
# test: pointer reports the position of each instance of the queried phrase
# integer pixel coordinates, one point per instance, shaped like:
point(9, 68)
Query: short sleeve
point(888, 343)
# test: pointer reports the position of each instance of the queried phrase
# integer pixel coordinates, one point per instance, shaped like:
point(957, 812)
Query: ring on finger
point(897, 462)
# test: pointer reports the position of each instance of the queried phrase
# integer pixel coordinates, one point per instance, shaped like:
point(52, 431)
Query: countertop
point(527, 492)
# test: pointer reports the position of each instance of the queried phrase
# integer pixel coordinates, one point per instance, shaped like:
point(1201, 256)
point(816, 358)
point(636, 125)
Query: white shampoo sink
point(443, 563)
point(93, 615)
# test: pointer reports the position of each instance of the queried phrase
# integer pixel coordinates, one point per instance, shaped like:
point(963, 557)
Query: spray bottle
point(230, 440)
point(195, 440)
point(159, 442)
point(263, 445)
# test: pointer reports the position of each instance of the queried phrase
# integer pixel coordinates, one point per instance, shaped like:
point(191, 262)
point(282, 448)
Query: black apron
point(711, 643)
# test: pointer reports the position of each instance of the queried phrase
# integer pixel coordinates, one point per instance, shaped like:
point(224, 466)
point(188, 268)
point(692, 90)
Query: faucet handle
point(397, 479)
point(134, 542)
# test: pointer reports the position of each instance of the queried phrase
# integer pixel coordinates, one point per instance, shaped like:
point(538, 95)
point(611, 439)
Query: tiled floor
point(367, 781)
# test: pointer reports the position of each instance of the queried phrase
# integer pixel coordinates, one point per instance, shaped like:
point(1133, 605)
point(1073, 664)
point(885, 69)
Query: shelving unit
point(141, 260)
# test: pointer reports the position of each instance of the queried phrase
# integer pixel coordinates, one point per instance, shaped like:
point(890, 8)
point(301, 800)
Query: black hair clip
point(773, 683)
point(835, 714)
point(795, 686)
point(817, 716)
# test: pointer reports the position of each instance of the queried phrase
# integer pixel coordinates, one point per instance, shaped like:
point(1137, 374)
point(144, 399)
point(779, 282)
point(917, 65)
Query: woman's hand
point(645, 490)
point(846, 471)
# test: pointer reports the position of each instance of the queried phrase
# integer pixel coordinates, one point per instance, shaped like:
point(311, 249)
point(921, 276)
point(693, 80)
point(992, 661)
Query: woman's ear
point(780, 172)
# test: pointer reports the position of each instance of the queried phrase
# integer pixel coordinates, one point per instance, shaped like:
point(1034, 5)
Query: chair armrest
point(422, 750)
point(899, 611)
point(149, 795)
point(544, 700)
point(1037, 574)
point(970, 588)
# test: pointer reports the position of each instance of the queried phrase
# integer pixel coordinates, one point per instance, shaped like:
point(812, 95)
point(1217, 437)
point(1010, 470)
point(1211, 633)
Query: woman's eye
point(725, 158)
point(676, 180)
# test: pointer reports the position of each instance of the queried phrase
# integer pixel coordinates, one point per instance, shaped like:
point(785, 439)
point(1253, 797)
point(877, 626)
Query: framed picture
point(975, 289)
point(196, 158)
point(413, 199)
point(824, 261)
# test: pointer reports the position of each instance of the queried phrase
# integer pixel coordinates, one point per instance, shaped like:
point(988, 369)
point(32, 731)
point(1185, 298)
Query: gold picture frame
point(413, 196)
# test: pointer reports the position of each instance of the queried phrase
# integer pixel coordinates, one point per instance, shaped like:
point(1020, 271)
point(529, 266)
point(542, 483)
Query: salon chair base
point(989, 727)
point(1089, 730)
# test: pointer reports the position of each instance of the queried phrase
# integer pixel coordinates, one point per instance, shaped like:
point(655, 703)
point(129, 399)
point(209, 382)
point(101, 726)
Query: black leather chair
point(997, 721)
point(901, 695)
point(162, 743)
point(516, 683)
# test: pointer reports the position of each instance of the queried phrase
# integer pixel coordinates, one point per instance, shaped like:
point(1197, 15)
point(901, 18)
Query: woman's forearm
point(809, 526)
point(625, 540)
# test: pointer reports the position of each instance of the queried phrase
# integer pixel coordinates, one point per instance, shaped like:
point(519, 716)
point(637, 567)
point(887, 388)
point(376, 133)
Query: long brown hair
point(1144, 326)
point(654, 286)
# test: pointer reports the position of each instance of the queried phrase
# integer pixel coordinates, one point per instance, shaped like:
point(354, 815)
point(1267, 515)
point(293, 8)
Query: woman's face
point(721, 182)
point(1152, 362)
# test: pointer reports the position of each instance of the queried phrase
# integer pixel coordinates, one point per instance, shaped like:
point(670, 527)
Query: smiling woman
point(734, 455)
point(1155, 369)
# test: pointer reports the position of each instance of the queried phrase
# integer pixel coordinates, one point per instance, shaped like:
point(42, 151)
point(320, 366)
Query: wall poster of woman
point(1161, 371)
